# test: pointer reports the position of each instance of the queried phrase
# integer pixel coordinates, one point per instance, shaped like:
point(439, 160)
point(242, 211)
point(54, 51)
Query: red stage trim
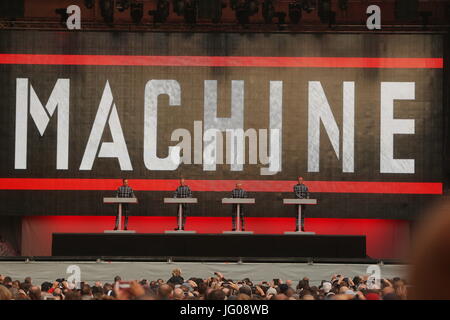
point(222, 185)
point(222, 61)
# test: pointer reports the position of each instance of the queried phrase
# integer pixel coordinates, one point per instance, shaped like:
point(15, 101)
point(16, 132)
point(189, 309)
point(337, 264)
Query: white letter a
point(107, 111)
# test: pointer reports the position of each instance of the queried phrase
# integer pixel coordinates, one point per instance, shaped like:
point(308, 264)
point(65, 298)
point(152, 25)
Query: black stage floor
point(208, 245)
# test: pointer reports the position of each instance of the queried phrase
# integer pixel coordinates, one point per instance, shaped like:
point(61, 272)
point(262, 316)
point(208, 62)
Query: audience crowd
point(218, 287)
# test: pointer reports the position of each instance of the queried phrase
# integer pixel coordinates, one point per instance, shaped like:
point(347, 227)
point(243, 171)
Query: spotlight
point(136, 12)
point(122, 5)
point(162, 11)
point(89, 4)
point(295, 12)
point(107, 10)
point(268, 11)
point(63, 13)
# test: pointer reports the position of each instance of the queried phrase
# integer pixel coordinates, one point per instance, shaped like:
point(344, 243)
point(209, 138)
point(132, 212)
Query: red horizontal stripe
point(220, 61)
point(222, 185)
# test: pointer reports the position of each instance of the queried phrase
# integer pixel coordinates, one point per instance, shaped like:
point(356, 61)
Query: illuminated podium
point(299, 202)
point(120, 202)
point(180, 202)
point(238, 202)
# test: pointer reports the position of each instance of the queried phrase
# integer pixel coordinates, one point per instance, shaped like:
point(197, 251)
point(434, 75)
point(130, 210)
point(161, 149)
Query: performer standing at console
point(238, 192)
point(183, 191)
point(124, 191)
point(301, 192)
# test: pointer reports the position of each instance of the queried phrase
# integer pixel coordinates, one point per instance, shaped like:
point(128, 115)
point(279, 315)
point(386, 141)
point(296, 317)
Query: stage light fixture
point(268, 11)
point(136, 11)
point(161, 13)
point(295, 12)
point(107, 10)
point(89, 4)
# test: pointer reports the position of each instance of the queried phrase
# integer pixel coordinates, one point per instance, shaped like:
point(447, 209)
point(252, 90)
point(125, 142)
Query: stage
point(209, 245)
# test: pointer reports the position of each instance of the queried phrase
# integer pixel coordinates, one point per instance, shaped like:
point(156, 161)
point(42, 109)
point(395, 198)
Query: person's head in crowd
point(283, 288)
point(108, 289)
point(165, 292)
point(7, 282)
point(176, 272)
point(46, 286)
point(16, 284)
point(176, 277)
point(226, 291)
point(202, 288)
point(117, 278)
point(27, 280)
point(357, 280)
point(245, 289)
point(97, 291)
point(243, 296)
point(58, 294)
point(178, 294)
point(343, 289)
point(25, 286)
point(290, 292)
point(281, 296)
point(391, 296)
point(216, 294)
point(72, 295)
point(326, 287)
point(86, 292)
point(35, 293)
point(303, 284)
point(5, 294)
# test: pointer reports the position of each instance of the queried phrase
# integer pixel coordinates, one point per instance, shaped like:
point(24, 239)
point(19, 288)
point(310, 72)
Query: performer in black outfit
point(124, 191)
point(183, 191)
point(301, 192)
point(238, 192)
